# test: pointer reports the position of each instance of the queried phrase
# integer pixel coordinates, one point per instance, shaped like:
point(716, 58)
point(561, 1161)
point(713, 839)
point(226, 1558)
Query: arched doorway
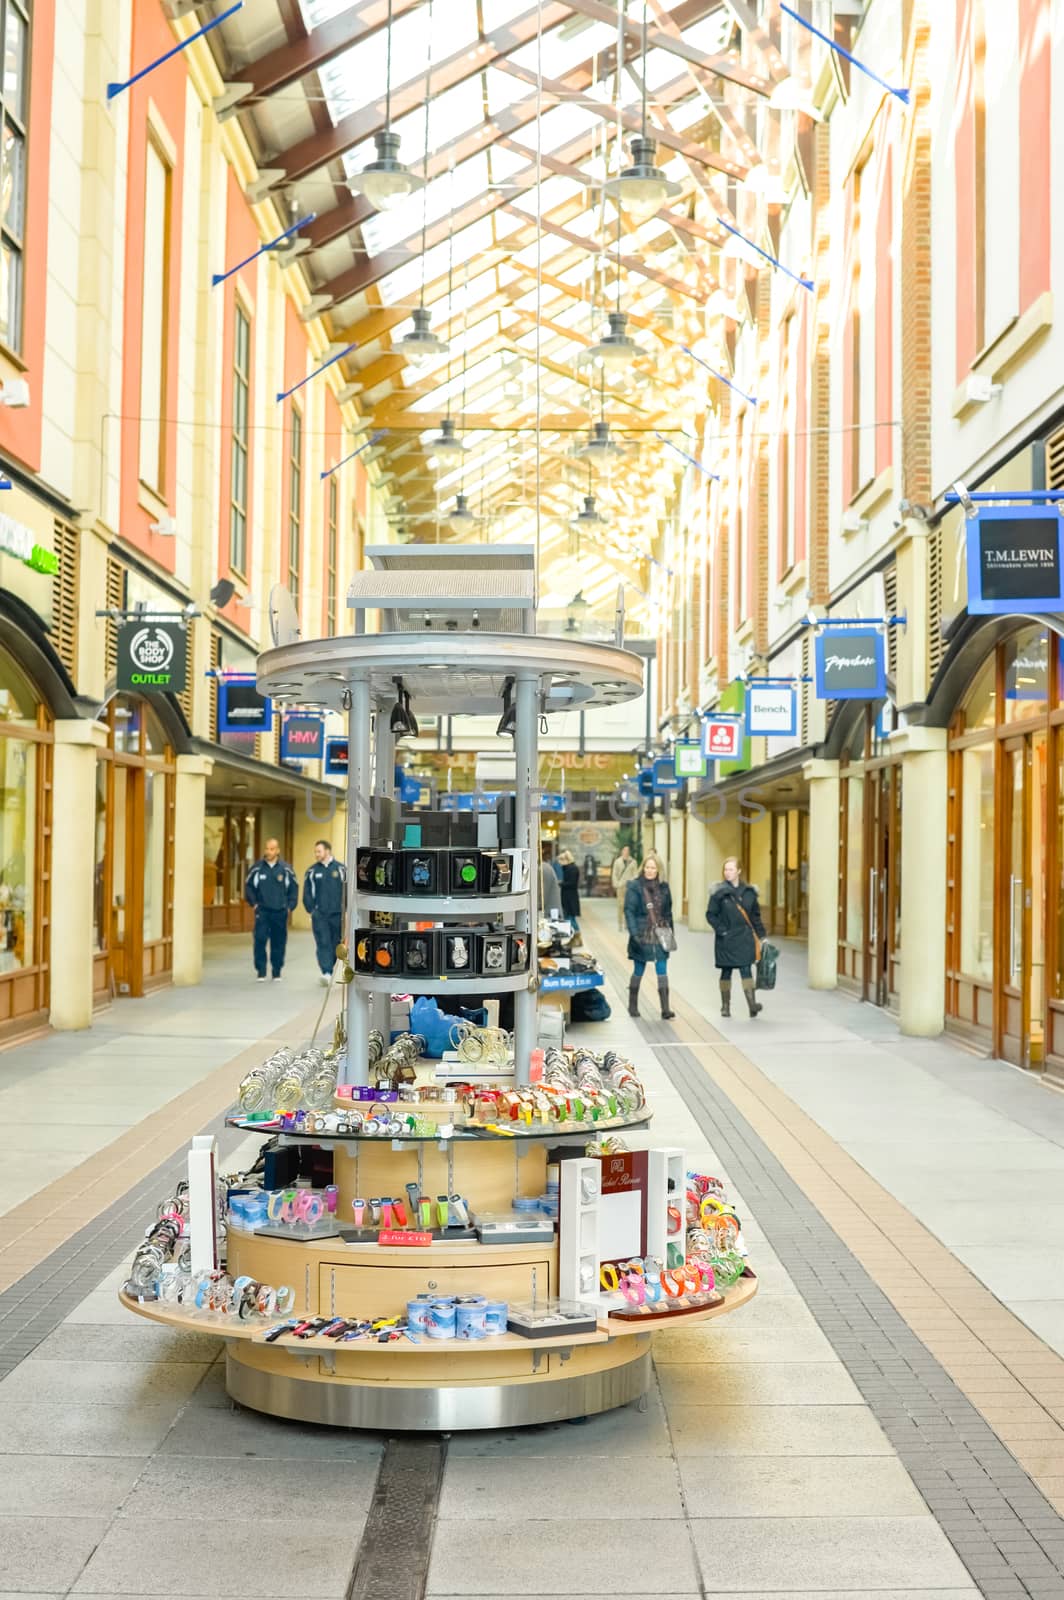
point(26, 743)
point(1005, 861)
point(133, 899)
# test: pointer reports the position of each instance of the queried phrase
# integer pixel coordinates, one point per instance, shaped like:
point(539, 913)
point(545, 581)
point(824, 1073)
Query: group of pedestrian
point(644, 907)
point(272, 890)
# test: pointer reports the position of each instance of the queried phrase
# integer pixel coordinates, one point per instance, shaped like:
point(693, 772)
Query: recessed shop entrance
point(233, 840)
point(1021, 1022)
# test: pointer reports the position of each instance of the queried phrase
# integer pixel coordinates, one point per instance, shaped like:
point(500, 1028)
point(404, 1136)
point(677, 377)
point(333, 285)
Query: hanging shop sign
point(771, 710)
point(302, 737)
point(241, 708)
point(152, 657)
point(689, 760)
point(336, 757)
point(722, 738)
point(1015, 560)
point(663, 776)
point(851, 664)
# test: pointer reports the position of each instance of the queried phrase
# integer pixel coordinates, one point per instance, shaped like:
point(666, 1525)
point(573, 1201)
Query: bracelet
point(634, 1289)
point(679, 1282)
point(606, 1272)
point(286, 1298)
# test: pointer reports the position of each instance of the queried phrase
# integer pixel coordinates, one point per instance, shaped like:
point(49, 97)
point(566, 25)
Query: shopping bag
point(766, 966)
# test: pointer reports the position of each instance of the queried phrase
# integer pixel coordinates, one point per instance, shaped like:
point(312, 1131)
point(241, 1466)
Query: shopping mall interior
point(510, 511)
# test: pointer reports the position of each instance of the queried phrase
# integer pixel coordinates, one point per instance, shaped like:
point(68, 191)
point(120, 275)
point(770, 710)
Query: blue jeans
point(661, 966)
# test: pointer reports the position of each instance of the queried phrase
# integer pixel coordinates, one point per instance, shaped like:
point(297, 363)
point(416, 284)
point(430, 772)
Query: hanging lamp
point(421, 344)
point(446, 446)
point(462, 519)
point(643, 186)
point(386, 182)
point(616, 348)
point(598, 447)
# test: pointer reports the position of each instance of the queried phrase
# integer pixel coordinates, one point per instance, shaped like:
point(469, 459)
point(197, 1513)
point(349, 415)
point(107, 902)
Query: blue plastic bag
point(435, 1025)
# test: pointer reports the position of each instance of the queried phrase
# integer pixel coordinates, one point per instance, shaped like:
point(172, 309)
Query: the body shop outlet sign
point(1015, 560)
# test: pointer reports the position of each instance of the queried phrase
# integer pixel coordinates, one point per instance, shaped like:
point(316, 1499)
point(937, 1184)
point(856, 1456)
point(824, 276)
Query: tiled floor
point(758, 1467)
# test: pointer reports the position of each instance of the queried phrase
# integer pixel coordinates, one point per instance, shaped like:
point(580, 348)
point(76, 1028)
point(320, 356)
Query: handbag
point(664, 936)
point(765, 977)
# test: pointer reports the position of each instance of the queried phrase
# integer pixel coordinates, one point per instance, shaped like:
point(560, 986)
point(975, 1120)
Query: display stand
point(439, 607)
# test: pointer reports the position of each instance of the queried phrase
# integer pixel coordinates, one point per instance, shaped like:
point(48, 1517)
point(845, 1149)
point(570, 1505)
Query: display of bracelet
point(489, 1047)
point(258, 1088)
point(164, 1244)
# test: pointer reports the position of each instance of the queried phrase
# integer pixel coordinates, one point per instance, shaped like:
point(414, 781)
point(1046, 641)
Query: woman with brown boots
point(735, 917)
point(651, 937)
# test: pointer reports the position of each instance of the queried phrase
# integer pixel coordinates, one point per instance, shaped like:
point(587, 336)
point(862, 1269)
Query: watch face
point(458, 953)
point(417, 955)
point(501, 874)
point(465, 873)
point(518, 952)
point(494, 955)
point(364, 952)
point(364, 868)
point(384, 954)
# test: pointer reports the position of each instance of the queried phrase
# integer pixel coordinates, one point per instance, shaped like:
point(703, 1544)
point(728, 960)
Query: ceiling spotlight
point(421, 344)
point(642, 186)
point(401, 721)
point(769, 185)
point(446, 446)
point(461, 518)
point(588, 517)
point(790, 94)
point(386, 183)
point(616, 348)
point(410, 717)
point(598, 447)
point(508, 720)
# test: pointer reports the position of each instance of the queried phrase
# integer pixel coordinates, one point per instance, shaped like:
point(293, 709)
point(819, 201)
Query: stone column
point(697, 874)
point(924, 778)
point(823, 949)
point(73, 870)
point(677, 824)
point(189, 811)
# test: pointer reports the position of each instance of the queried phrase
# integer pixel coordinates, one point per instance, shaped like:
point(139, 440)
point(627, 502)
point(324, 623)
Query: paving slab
point(848, 1553)
point(482, 1488)
point(552, 1558)
point(298, 1556)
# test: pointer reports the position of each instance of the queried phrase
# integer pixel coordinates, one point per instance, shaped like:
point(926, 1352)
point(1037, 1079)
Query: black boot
point(725, 998)
point(633, 996)
point(663, 996)
point(751, 998)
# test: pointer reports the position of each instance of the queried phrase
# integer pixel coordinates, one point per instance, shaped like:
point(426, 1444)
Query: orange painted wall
point(165, 89)
point(1036, 149)
point(20, 430)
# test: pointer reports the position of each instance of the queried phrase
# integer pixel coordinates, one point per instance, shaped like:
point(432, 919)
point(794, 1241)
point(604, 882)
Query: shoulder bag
point(766, 957)
point(664, 937)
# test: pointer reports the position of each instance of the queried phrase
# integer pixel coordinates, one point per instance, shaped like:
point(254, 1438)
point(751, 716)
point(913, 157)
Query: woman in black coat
point(570, 888)
point(648, 907)
point(735, 917)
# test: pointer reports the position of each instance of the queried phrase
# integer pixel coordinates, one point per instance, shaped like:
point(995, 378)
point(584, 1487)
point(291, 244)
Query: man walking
point(273, 889)
point(324, 885)
point(623, 872)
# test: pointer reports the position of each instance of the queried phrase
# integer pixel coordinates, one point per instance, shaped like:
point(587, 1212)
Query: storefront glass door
point(1022, 1011)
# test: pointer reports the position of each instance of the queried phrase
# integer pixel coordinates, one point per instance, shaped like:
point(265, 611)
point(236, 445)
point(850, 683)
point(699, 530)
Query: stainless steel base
point(436, 1410)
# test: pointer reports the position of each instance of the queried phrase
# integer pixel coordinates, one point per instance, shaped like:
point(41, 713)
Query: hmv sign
point(850, 664)
point(302, 737)
point(1015, 560)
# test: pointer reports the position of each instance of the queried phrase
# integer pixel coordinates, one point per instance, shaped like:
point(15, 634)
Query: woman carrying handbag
point(735, 917)
point(651, 936)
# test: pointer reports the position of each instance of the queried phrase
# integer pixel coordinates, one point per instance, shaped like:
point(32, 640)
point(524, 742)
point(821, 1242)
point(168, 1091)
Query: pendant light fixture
point(643, 186)
point(616, 349)
point(422, 344)
point(462, 519)
point(598, 449)
point(445, 448)
point(386, 183)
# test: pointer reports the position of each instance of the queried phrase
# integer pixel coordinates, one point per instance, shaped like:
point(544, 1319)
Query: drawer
point(383, 1291)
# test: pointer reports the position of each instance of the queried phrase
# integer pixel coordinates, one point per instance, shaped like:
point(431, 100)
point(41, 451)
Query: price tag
point(403, 1236)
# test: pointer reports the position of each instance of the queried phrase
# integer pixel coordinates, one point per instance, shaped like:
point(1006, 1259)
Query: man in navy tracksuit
point(324, 886)
point(273, 889)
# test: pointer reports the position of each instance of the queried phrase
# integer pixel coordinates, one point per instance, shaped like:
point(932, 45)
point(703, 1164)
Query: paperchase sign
point(850, 664)
point(771, 711)
point(1015, 560)
point(152, 657)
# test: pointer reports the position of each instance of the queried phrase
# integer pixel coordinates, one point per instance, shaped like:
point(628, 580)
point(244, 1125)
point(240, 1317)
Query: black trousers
point(328, 931)
point(271, 928)
point(726, 972)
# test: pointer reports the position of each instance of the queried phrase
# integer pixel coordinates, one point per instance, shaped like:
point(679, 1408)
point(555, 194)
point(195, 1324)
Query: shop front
point(133, 886)
point(1005, 862)
point(870, 820)
point(26, 744)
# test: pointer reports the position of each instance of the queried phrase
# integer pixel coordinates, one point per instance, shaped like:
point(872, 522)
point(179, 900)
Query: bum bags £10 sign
point(1015, 560)
point(851, 664)
point(771, 710)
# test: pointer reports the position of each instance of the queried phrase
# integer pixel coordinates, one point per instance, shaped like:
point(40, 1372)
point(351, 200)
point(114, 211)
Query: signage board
point(771, 710)
point(689, 759)
point(851, 664)
point(722, 738)
point(302, 737)
point(663, 777)
point(241, 708)
point(336, 757)
point(152, 657)
point(1015, 560)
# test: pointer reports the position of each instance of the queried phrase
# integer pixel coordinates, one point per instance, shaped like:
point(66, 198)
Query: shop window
point(14, 105)
point(137, 730)
point(154, 298)
point(855, 861)
point(18, 702)
point(239, 442)
point(18, 840)
point(980, 708)
point(1026, 674)
point(977, 863)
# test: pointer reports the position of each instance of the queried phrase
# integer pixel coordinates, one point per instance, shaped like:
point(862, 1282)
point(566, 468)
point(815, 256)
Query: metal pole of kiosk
point(526, 836)
point(359, 794)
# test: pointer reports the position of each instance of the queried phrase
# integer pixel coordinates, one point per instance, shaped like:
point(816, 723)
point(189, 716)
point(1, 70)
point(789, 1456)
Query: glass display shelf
point(397, 983)
point(440, 906)
point(471, 1134)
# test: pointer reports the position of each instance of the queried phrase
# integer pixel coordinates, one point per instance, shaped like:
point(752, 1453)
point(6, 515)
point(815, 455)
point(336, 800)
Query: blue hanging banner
point(302, 737)
point(241, 708)
point(663, 776)
point(336, 757)
point(1015, 560)
point(771, 710)
point(851, 664)
point(644, 780)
